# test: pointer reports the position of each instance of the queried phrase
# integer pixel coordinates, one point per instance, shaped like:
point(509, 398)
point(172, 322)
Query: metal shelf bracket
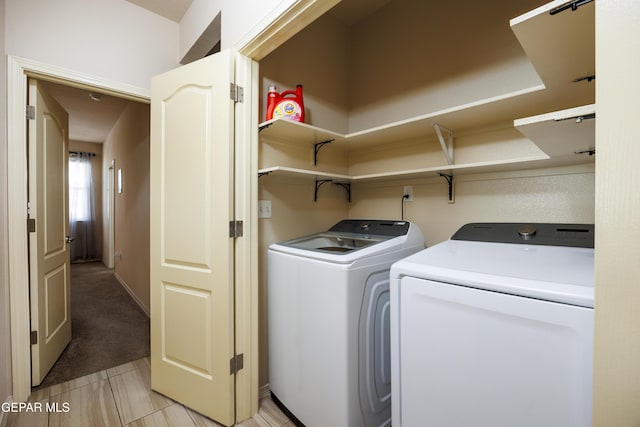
point(263, 127)
point(321, 182)
point(347, 188)
point(447, 146)
point(316, 149)
point(449, 179)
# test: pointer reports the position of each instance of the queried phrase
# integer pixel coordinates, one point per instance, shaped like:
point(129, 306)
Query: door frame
point(284, 21)
point(18, 70)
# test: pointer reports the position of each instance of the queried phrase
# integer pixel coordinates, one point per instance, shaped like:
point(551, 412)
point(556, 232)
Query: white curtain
point(82, 217)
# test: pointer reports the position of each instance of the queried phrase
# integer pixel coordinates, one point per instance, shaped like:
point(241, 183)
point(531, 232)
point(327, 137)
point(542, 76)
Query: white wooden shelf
point(467, 168)
point(303, 173)
point(561, 47)
point(301, 133)
point(562, 133)
point(406, 174)
point(290, 131)
point(460, 118)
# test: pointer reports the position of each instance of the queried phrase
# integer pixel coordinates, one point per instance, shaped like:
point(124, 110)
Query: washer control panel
point(374, 227)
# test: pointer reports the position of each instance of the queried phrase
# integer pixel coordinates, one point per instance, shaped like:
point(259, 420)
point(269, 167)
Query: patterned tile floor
point(122, 396)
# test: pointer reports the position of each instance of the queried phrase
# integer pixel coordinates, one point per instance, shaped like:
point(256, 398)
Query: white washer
point(328, 319)
point(495, 328)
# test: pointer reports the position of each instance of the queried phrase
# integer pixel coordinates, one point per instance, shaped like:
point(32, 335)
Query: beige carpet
point(108, 327)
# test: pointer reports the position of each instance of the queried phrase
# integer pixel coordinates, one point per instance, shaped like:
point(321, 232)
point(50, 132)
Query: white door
point(192, 265)
point(49, 229)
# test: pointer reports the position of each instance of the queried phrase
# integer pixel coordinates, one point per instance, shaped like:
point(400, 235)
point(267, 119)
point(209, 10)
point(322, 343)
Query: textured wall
point(128, 144)
point(112, 39)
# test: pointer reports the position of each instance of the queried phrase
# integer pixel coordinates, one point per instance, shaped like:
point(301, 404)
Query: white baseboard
point(264, 391)
point(130, 292)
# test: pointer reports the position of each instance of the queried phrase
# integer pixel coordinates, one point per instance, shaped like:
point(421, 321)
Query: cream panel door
point(192, 340)
point(50, 296)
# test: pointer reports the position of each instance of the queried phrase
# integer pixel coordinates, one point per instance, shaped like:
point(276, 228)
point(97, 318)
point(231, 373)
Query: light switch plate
point(264, 208)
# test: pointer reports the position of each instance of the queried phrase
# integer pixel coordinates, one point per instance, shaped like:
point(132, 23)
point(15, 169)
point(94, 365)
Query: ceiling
point(170, 9)
point(89, 120)
point(350, 12)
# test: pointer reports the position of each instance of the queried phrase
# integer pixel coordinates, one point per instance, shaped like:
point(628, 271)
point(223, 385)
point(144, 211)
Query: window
point(79, 187)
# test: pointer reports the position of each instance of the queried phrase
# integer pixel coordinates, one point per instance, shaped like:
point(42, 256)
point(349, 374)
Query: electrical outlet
point(408, 191)
point(264, 208)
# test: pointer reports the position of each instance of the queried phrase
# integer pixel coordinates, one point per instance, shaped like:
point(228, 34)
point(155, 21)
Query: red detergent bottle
point(288, 104)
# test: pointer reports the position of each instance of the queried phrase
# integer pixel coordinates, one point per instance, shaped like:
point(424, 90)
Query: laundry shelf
point(465, 117)
point(303, 174)
point(561, 46)
point(478, 167)
point(562, 133)
point(291, 131)
point(467, 168)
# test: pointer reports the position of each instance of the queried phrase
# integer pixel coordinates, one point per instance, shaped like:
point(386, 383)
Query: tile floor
point(122, 396)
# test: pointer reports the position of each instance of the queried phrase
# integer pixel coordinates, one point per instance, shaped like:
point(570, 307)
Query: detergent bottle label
point(288, 109)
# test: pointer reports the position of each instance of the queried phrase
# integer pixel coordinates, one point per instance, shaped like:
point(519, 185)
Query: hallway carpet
point(108, 327)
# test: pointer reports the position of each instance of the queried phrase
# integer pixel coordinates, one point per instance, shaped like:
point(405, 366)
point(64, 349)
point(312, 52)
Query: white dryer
point(328, 320)
point(495, 328)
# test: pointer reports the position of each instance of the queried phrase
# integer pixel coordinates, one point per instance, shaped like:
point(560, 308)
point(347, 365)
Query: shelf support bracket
point(316, 149)
point(447, 146)
point(261, 174)
point(573, 5)
point(263, 127)
point(449, 179)
point(319, 183)
point(347, 188)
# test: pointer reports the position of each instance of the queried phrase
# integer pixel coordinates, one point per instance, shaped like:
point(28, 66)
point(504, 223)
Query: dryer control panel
point(571, 235)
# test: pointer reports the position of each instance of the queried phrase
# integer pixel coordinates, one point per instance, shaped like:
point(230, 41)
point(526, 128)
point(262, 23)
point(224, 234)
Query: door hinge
point(236, 363)
point(31, 112)
point(31, 225)
point(236, 229)
point(237, 93)
point(34, 337)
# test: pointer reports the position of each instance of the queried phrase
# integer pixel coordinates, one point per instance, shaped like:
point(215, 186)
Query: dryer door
point(465, 356)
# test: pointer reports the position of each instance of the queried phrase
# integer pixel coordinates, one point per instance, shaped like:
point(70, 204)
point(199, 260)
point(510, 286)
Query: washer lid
point(552, 273)
point(352, 240)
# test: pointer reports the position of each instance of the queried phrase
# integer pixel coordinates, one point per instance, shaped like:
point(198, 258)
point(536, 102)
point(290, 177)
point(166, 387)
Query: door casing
point(17, 72)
